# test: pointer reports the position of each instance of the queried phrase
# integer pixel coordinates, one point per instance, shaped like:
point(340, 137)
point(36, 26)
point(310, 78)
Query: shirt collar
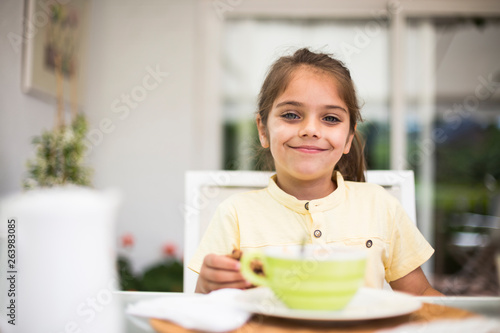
point(317, 205)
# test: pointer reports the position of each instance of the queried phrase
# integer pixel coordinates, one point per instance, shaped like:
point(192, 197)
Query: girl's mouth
point(308, 149)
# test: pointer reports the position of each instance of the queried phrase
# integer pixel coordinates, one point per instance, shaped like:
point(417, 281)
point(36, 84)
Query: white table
point(487, 306)
point(129, 297)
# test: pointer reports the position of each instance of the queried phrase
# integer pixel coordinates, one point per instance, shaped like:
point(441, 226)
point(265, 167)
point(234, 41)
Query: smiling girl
point(307, 118)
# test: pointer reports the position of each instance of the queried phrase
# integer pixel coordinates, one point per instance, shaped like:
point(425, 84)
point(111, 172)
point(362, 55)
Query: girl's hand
point(220, 271)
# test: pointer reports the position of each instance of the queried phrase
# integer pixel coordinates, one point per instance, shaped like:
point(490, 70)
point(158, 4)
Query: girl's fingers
point(219, 272)
point(235, 285)
point(211, 280)
point(222, 276)
point(221, 262)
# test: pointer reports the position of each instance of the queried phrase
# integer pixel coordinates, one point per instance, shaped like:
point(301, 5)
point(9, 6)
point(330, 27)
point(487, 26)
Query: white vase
point(64, 272)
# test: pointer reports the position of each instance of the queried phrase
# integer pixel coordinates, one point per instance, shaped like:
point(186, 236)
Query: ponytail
point(352, 166)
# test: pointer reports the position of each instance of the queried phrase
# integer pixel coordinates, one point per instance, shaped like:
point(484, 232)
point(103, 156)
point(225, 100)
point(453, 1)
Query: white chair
point(205, 190)
point(400, 183)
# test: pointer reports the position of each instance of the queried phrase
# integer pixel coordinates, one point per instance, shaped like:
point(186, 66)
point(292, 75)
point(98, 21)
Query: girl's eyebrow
point(298, 104)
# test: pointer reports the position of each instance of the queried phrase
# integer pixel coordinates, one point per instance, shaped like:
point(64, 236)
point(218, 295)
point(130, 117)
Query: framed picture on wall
point(54, 49)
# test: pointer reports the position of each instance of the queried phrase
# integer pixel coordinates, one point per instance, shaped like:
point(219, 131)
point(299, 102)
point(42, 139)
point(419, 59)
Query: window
point(250, 47)
point(453, 128)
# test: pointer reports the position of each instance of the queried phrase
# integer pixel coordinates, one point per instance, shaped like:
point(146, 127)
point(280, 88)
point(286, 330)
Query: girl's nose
point(310, 128)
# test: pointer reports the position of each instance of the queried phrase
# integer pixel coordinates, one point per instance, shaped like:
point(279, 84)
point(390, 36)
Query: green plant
point(165, 275)
point(59, 157)
point(60, 151)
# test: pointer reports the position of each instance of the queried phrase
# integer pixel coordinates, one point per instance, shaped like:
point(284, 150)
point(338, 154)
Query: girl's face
point(307, 128)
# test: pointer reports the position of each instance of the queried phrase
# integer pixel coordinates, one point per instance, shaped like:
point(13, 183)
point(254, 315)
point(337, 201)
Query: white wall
point(142, 150)
point(148, 148)
point(21, 116)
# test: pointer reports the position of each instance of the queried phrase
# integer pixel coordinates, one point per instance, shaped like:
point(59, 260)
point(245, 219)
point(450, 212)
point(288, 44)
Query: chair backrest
point(399, 183)
point(205, 190)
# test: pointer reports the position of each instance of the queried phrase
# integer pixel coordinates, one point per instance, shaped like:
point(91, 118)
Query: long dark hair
point(352, 166)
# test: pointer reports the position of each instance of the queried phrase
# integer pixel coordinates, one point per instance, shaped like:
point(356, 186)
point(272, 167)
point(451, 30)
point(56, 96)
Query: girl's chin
point(312, 175)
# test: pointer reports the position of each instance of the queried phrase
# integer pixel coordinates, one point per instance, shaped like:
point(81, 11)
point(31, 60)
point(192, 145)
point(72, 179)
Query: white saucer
point(367, 304)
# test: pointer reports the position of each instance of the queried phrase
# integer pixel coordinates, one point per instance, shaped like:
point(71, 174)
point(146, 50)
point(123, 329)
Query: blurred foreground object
point(63, 264)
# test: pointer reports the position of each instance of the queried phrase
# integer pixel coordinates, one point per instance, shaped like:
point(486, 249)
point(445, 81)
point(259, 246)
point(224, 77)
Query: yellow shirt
point(355, 214)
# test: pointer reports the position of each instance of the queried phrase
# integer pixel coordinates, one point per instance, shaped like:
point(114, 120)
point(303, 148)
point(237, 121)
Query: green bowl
point(313, 278)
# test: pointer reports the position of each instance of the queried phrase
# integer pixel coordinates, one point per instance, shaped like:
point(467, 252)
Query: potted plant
point(65, 252)
point(60, 157)
point(61, 236)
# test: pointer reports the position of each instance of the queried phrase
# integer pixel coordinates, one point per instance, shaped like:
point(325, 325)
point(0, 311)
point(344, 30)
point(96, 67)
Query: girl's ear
point(348, 143)
point(264, 142)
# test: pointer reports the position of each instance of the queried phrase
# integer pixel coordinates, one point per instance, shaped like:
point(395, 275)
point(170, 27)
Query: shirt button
point(307, 205)
point(369, 243)
point(317, 233)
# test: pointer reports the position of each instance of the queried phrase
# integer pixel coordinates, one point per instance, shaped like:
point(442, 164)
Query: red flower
point(169, 249)
point(127, 240)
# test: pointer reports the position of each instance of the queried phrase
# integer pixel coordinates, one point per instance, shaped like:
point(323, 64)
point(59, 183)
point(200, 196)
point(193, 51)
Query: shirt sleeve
point(409, 248)
point(221, 236)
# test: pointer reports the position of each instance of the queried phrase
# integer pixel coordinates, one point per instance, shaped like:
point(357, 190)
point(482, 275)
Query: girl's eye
point(331, 119)
point(289, 116)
